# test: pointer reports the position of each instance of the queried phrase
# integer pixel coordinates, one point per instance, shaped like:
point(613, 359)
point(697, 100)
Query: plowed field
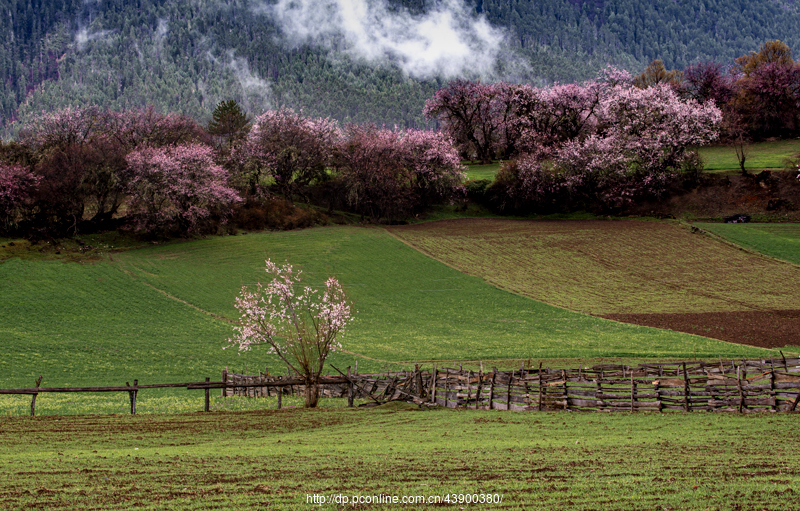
point(648, 273)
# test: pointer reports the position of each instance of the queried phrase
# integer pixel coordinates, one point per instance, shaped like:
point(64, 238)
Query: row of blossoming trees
point(600, 145)
point(88, 169)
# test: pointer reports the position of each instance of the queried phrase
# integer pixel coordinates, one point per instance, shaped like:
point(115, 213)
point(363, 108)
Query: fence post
point(773, 407)
point(741, 391)
point(225, 382)
point(433, 384)
point(491, 389)
point(540, 387)
point(33, 399)
point(658, 396)
point(132, 395)
point(350, 390)
point(508, 393)
point(208, 397)
point(280, 397)
point(686, 389)
point(633, 391)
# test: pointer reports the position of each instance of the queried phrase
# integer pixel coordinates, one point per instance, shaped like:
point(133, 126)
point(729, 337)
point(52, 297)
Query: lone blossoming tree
point(299, 325)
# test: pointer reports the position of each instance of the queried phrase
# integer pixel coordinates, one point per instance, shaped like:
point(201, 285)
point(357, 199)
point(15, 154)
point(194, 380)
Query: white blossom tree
point(302, 326)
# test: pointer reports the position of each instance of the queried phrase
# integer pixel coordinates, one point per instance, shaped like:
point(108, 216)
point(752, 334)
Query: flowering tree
point(546, 117)
point(706, 81)
point(769, 98)
point(300, 326)
point(390, 174)
point(175, 188)
point(605, 145)
point(470, 114)
point(293, 149)
point(147, 126)
point(17, 185)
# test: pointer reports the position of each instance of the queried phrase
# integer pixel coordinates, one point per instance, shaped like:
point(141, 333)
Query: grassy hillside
point(541, 460)
point(776, 240)
point(146, 313)
point(602, 267)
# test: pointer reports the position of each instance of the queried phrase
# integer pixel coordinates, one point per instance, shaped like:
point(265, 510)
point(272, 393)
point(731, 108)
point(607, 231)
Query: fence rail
point(740, 386)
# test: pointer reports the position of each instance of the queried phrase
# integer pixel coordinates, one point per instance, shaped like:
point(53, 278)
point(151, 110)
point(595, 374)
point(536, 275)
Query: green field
point(609, 267)
point(487, 171)
point(278, 459)
point(163, 313)
point(775, 155)
point(776, 240)
point(759, 156)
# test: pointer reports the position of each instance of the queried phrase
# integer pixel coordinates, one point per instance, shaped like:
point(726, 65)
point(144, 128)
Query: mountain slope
point(188, 55)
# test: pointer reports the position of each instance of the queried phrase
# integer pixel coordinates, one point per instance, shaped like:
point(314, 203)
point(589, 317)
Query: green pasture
point(775, 155)
point(280, 459)
point(776, 240)
point(487, 171)
point(163, 313)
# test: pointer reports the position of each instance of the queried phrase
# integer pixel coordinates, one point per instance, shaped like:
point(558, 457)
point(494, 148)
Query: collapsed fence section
point(733, 386)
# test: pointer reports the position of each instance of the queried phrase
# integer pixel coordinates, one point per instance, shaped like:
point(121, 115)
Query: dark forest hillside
point(189, 55)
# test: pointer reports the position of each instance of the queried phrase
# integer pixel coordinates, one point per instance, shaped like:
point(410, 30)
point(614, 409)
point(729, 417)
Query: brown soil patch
point(771, 329)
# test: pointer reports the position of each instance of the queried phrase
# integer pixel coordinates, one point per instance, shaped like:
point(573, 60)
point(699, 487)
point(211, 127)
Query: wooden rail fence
point(733, 386)
point(739, 386)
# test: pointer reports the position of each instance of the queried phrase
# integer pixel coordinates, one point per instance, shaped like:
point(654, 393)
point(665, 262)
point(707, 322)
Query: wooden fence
point(732, 386)
point(738, 386)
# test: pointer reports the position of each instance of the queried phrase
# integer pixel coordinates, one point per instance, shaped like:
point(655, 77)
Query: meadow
point(781, 241)
point(163, 313)
point(774, 155)
point(281, 459)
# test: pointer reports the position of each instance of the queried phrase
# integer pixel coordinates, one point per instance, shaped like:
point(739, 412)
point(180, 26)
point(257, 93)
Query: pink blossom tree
point(302, 326)
point(544, 118)
point(173, 189)
point(146, 126)
point(17, 188)
point(294, 150)
point(80, 164)
point(471, 114)
point(605, 144)
point(392, 174)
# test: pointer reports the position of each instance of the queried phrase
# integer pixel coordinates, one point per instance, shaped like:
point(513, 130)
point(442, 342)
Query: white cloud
point(449, 40)
point(256, 93)
point(84, 36)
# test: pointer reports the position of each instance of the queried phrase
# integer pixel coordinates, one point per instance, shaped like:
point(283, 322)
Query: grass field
point(162, 313)
point(609, 267)
point(776, 240)
point(759, 156)
point(279, 459)
point(717, 158)
point(487, 171)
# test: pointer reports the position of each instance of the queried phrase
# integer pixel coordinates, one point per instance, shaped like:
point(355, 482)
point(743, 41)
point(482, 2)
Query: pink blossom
point(301, 325)
point(176, 187)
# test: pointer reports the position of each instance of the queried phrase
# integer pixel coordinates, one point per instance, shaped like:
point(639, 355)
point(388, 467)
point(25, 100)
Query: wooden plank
point(207, 404)
point(33, 399)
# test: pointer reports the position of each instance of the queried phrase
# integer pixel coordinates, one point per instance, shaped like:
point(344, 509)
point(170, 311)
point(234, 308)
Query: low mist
point(449, 40)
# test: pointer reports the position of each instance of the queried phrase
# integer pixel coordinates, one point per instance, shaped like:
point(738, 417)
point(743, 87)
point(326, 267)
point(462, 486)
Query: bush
point(274, 214)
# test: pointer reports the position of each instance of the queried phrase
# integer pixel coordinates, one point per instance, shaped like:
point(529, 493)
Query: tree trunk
point(312, 393)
